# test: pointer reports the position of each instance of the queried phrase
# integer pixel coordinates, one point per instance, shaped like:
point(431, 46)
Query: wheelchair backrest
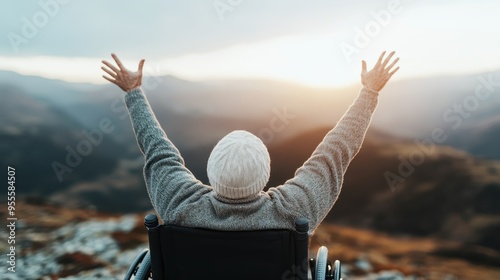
point(180, 253)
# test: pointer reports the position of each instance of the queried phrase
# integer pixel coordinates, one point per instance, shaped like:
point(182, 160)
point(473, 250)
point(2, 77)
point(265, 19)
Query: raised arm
point(168, 181)
point(317, 184)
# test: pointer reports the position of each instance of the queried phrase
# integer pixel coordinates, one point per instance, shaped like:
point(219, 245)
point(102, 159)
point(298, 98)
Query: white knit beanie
point(239, 166)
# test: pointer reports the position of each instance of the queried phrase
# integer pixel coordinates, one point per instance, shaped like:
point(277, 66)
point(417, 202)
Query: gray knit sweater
point(180, 199)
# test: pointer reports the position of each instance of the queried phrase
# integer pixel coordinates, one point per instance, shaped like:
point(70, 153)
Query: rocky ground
point(57, 243)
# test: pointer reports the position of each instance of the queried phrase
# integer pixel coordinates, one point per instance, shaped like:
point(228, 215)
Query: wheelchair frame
point(146, 266)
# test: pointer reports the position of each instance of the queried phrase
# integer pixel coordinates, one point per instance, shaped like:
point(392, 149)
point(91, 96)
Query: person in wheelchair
point(268, 223)
point(239, 165)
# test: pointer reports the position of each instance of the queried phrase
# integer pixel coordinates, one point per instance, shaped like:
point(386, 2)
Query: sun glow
point(308, 60)
point(312, 60)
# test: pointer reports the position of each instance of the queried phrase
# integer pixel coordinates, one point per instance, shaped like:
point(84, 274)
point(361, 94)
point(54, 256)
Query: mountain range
point(448, 190)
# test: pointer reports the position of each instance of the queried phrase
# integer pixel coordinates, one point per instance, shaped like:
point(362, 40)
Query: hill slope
point(448, 194)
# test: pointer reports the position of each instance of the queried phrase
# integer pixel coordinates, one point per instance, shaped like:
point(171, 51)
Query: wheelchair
point(181, 253)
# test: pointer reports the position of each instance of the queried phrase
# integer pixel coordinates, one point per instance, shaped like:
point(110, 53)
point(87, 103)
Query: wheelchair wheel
point(337, 272)
point(133, 266)
point(140, 267)
point(321, 263)
point(144, 269)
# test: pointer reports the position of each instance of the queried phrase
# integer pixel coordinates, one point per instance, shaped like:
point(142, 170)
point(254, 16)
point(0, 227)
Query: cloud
point(284, 39)
point(162, 28)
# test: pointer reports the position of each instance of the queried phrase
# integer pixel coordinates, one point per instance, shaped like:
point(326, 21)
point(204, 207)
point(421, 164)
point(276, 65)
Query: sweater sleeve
point(169, 182)
point(316, 185)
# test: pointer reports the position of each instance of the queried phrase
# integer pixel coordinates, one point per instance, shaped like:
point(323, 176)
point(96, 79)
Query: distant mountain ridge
point(409, 108)
point(466, 108)
point(44, 120)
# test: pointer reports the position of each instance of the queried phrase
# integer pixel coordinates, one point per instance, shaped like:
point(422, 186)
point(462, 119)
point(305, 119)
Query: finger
point(141, 65)
point(109, 79)
point(388, 59)
point(363, 67)
point(118, 62)
point(111, 66)
point(392, 64)
point(380, 60)
point(112, 74)
point(394, 71)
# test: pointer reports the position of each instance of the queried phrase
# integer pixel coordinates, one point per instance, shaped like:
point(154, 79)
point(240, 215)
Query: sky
point(316, 43)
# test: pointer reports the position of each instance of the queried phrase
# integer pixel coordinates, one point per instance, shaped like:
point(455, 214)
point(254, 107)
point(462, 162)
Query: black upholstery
point(179, 253)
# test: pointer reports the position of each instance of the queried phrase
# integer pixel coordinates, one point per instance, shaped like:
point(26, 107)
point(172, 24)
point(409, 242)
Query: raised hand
point(121, 76)
point(376, 78)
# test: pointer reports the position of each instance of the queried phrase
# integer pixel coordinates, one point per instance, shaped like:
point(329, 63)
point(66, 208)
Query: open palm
point(121, 76)
point(377, 77)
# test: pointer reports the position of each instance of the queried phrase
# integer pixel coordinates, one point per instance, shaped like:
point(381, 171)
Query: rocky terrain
point(57, 243)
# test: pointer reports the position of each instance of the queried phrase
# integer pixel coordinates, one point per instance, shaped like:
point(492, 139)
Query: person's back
point(239, 166)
